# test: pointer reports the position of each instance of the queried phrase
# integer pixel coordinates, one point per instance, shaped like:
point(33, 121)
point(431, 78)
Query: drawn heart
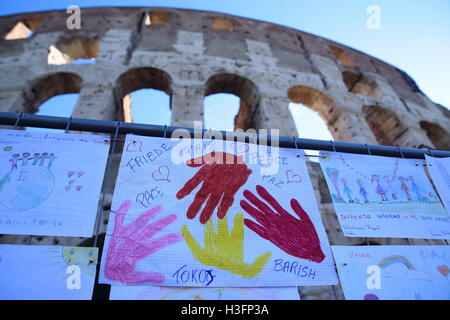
point(80, 173)
point(70, 173)
point(71, 181)
point(292, 177)
point(67, 188)
point(134, 146)
point(243, 148)
point(78, 188)
point(161, 174)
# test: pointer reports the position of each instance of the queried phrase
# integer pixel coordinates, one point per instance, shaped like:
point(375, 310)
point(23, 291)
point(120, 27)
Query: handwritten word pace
point(146, 158)
point(145, 198)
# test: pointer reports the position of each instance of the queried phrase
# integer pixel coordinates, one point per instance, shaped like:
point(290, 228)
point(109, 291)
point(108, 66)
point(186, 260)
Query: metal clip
point(19, 117)
point(368, 149)
point(68, 124)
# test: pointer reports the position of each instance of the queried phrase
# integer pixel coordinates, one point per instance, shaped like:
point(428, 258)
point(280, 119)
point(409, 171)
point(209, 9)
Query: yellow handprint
point(225, 250)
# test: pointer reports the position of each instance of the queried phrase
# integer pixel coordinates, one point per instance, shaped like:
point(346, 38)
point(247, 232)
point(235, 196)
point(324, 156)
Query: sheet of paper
point(198, 293)
point(50, 182)
point(383, 197)
point(439, 169)
point(46, 272)
point(394, 272)
point(251, 223)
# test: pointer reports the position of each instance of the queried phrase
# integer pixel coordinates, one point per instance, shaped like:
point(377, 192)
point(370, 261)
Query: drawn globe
point(26, 188)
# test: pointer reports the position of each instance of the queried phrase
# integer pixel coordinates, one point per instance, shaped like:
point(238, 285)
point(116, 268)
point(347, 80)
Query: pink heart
point(293, 177)
point(70, 173)
point(78, 188)
point(71, 181)
point(80, 173)
point(67, 188)
point(161, 174)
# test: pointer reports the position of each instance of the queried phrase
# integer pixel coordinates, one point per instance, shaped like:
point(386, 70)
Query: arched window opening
point(223, 105)
point(342, 57)
point(437, 135)
point(156, 17)
point(386, 126)
point(221, 112)
point(23, 29)
point(77, 50)
point(55, 94)
point(309, 123)
point(360, 84)
point(143, 96)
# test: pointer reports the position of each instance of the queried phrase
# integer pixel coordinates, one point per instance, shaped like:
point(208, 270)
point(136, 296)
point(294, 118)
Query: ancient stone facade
point(191, 54)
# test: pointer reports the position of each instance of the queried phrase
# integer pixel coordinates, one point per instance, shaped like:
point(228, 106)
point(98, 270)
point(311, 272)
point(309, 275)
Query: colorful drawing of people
point(50, 161)
point(14, 160)
point(36, 158)
point(362, 191)
point(43, 157)
point(347, 190)
point(25, 158)
point(389, 188)
point(379, 189)
point(404, 187)
point(416, 189)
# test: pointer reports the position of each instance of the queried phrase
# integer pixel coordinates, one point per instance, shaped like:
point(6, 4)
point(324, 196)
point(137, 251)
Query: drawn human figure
point(379, 189)
point(25, 158)
point(389, 188)
point(404, 187)
point(362, 190)
point(50, 161)
point(415, 188)
point(36, 158)
point(14, 160)
point(347, 190)
point(43, 157)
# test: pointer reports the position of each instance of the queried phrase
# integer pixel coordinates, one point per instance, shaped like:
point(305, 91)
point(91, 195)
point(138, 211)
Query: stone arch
point(317, 101)
point(357, 82)
point(437, 135)
point(48, 86)
point(70, 49)
point(385, 124)
point(242, 87)
point(136, 79)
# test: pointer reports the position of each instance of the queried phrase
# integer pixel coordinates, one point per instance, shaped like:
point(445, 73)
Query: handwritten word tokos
point(185, 275)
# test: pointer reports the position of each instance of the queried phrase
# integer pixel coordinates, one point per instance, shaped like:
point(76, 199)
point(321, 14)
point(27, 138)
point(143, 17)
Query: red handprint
point(297, 237)
point(129, 244)
point(222, 175)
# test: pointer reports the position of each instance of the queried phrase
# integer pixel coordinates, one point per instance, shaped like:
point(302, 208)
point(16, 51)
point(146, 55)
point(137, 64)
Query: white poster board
point(46, 272)
point(383, 197)
point(50, 182)
point(394, 272)
point(439, 169)
point(199, 293)
point(197, 225)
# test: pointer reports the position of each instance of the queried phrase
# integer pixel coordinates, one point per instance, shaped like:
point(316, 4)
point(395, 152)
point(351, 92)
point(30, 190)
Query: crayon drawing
point(43, 273)
point(186, 293)
point(200, 213)
point(383, 197)
point(439, 169)
point(394, 272)
point(50, 183)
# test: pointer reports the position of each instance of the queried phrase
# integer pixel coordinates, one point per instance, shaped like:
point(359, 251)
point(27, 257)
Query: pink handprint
point(130, 243)
point(297, 237)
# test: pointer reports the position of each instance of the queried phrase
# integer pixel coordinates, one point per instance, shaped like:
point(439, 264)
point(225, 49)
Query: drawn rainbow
point(388, 261)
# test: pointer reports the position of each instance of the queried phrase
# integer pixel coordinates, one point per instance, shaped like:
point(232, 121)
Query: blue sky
point(414, 36)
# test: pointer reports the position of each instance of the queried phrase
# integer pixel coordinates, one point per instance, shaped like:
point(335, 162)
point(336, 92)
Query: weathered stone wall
point(190, 54)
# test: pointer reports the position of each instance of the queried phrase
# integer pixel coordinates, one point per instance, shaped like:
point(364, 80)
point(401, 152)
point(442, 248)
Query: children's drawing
point(186, 293)
point(383, 197)
point(297, 237)
point(40, 192)
point(45, 273)
point(439, 169)
point(224, 249)
point(130, 243)
point(204, 182)
point(222, 175)
point(393, 272)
